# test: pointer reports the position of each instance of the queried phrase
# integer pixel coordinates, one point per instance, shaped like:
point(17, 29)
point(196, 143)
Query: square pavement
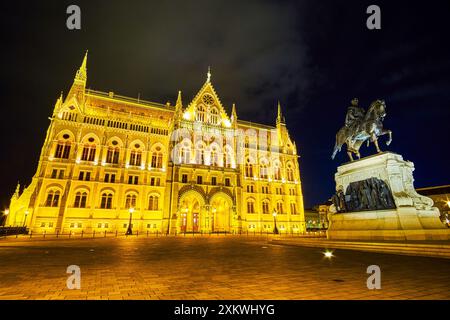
point(183, 268)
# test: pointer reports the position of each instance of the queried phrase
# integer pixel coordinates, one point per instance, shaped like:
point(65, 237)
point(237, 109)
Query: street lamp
point(25, 219)
point(130, 230)
point(6, 212)
point(275, 229)
point(448, 203)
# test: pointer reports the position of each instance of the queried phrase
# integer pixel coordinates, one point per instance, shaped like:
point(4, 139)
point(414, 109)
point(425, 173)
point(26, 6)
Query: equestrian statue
point(361, 126)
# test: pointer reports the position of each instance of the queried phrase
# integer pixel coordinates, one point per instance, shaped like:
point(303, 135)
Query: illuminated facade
point(170, 168)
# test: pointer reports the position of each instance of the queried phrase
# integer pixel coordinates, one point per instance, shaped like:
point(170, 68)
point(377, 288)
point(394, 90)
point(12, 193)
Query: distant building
point(441, 198)
point(317, 217)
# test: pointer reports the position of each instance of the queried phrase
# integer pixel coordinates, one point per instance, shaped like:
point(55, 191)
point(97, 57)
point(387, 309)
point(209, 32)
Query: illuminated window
point(263, 170)
point(265, 207)
point(214, 116)
point(200, 114)
point(62, 150)
point(277, 172)
point(157, 158)
point(293, 208)
point(153, 203)
point(135, 158)
point(112, 155)
point(200, 154)
point(88, 153)
point(290, 173)
point(250, 206)
point(106, 202)
point(130, 201)
point(52, 199)
point(80, 200)
point(280, 207)
point(249, 169)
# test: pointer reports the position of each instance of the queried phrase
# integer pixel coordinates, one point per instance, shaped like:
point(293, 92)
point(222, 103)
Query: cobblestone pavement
point(210, 268)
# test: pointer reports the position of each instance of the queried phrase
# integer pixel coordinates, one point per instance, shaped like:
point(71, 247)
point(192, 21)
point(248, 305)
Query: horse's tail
point(335, 151)
point(337, 145)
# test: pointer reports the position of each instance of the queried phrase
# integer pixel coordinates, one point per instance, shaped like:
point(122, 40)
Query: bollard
point(82, 232)
point(105, 233)
point(116, 233)
point(147, 233)
point(93, 234)
point(31, 234)
point(45, 232)
point(137, 233)
point(57, 234)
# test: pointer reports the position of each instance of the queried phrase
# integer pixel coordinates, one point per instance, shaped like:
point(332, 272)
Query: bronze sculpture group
point(361, 126)
point(369, 194)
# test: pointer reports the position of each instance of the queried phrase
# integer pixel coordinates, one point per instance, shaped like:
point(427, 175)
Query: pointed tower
point(283, 135)
point(179, 107)
point(17, 192)
point(79, 83)
point(280, 118)
point(234, 117)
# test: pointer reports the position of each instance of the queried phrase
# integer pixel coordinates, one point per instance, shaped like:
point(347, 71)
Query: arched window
point(200, 153)
point(265, 207)
point(157, 158)
point(200, 114)
point(153, 202)
point(250, 206)
point(62, 150)
point(293, 208)
point(277, 171)
point(106, 202)
point(248, 169)
point(130, 201)
point(80, 200)
point(214, 157)
point(135, 158)
point(52, 198)
point(280, 207)
point(112, 155)
point(290, 172)
point(214, 116)
point(88, 152)
point(185, 153)
point(263, 169)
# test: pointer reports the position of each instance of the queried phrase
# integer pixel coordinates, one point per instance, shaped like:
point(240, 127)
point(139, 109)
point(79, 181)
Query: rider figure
point(354, 115)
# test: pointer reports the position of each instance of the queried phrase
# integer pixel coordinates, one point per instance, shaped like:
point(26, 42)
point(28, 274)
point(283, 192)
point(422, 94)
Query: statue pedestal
point(413, 218)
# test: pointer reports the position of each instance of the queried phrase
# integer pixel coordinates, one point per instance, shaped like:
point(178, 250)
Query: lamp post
point(130, 230)
point(25, 219)
point(275, 229)
point(6, 212)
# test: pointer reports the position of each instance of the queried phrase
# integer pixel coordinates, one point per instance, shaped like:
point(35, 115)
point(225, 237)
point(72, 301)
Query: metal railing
point(9, 231)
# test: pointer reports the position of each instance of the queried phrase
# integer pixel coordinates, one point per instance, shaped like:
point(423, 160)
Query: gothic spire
point(280, 117)
point(82, 72)
point(208, 75)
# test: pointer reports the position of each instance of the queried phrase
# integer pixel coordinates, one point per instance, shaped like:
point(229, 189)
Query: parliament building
point(168, 168)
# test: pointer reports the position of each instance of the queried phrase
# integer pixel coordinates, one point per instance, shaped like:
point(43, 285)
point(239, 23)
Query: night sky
point(313, 56)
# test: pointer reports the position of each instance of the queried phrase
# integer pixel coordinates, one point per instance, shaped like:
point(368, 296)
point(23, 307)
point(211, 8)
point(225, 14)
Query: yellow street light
point(6, 212)
point(328, 254)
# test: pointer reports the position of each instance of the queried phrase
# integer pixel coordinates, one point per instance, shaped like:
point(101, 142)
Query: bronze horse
point(369, 128)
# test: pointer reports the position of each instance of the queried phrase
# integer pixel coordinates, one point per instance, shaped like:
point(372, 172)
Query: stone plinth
point(414, 217)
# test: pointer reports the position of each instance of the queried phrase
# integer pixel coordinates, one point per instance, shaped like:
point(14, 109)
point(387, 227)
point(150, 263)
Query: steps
point(438, 250)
